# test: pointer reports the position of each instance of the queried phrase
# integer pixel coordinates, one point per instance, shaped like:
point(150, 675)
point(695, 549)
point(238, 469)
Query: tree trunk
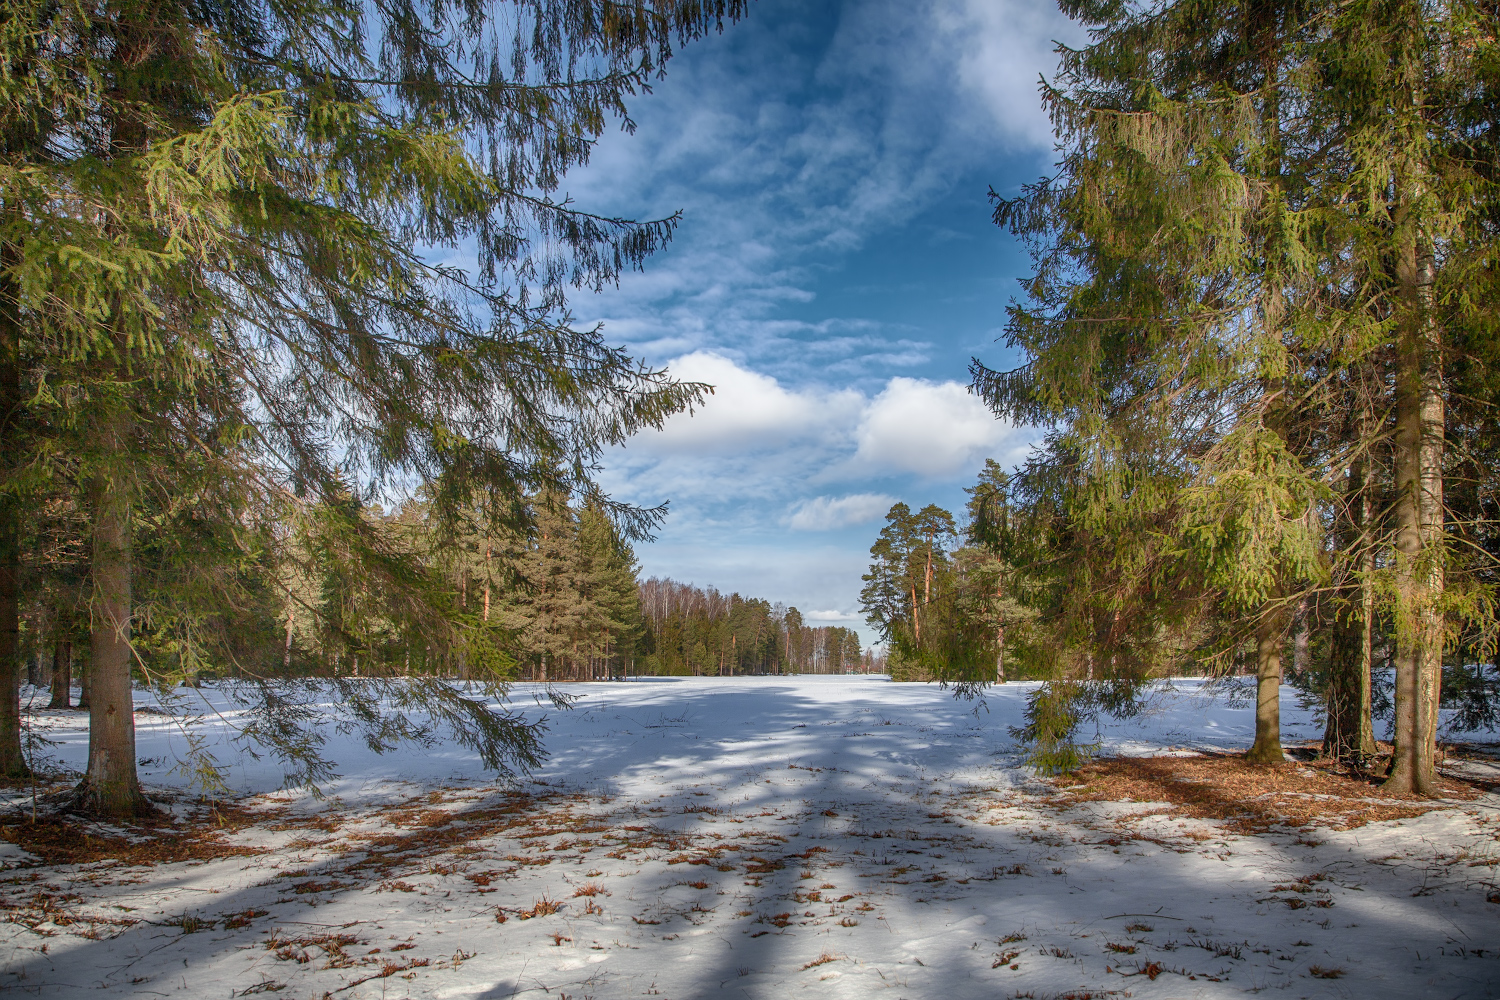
point(1349, 733)
point(916, 623)
point(999, 635)
point(1301, 642)
point(110, 786)
point(286, 649)
point(12, 760)
point(62, 670)
point(1419, 444)
point(1267, 747)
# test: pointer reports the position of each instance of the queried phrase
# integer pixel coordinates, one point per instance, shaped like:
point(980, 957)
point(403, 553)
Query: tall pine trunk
point(12, 760)
point(1419, 570)
point(62, 669)
point(1267, 746)
point(110, 786)
point(1349, 732)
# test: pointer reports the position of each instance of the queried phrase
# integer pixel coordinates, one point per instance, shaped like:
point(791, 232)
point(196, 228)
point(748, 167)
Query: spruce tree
point(211, 242)
point(1242, 236)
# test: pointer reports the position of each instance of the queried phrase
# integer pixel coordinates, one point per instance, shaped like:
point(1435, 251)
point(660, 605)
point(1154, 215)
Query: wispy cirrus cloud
point(821, 278)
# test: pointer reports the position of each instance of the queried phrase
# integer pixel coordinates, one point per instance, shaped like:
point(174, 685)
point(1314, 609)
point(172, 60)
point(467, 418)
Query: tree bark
point(12, 760)
point(110, 786)
point(999, 637)
point(916, 622)
point(62, 670)
point(1349, 733)
point(1301, 642)
point(286, 649)
point(1267, 746)
point(1419, 443)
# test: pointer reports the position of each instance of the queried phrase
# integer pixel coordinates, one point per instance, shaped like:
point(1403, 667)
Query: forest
point(251, 435)
point(563, 601)
point(1260, 334)
point(314, 487)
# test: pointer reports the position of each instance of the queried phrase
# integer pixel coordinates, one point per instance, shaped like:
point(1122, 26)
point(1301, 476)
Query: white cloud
point(934, 429)
point(758, 440)
point(1004, 47)
point(830, 616)
point(802, 145)
point(748, 412)
point(827, 513)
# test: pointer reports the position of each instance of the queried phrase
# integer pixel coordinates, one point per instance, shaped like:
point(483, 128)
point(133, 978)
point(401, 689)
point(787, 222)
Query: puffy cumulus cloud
point(749, 477)
point(756, 438)
point(748, 411)
point(828, 513)
point(933, 429)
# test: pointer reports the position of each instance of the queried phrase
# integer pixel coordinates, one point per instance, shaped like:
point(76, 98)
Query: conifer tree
point(211, 242)
point(1243, 230)
point(611, 585)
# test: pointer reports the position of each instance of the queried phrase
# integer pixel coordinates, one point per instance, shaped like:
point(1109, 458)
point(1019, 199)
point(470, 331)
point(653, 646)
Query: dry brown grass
point(541, 908)
point(822, 959)
point(590, 889)
point(1251, 798)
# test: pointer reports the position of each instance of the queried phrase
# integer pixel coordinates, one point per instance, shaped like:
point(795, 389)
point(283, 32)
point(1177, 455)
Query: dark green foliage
point(699, 631)
point(218, 228)
point(944, 609)
point(1472, 690)
point(1258, 268)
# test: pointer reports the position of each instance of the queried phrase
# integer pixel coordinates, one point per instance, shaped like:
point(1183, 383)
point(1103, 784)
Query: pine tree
point(794, 627)
point(610, 572)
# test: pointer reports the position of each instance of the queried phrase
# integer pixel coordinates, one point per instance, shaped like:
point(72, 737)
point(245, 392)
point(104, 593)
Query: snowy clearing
point(757, 837)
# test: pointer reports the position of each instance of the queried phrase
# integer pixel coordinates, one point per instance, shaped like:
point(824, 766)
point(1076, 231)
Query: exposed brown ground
point(58, 837)
point(1252, 798)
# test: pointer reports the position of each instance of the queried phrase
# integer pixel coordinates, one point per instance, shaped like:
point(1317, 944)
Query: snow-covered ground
point(841, 837)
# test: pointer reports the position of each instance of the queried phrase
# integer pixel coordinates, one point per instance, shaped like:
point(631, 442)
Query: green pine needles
point(224, 304)
point(1257, 269)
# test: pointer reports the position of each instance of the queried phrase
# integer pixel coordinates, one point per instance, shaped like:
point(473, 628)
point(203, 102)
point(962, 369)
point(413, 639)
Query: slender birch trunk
point(286, 651)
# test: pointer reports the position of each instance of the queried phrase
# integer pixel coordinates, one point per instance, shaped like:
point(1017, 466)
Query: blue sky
point(835, 270)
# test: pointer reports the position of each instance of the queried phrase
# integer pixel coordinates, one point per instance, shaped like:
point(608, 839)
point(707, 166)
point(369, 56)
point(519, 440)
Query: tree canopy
point(225, 275)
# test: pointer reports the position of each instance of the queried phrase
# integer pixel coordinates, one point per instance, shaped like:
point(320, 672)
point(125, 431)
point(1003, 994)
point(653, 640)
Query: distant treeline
point(559, 602)
point(692, 630)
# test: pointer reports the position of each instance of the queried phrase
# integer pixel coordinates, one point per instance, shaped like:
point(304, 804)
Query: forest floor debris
point(843, 837)
point(1255, 798)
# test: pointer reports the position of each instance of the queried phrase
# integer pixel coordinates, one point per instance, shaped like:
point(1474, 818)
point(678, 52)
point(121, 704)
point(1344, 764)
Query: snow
point(825, 836)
